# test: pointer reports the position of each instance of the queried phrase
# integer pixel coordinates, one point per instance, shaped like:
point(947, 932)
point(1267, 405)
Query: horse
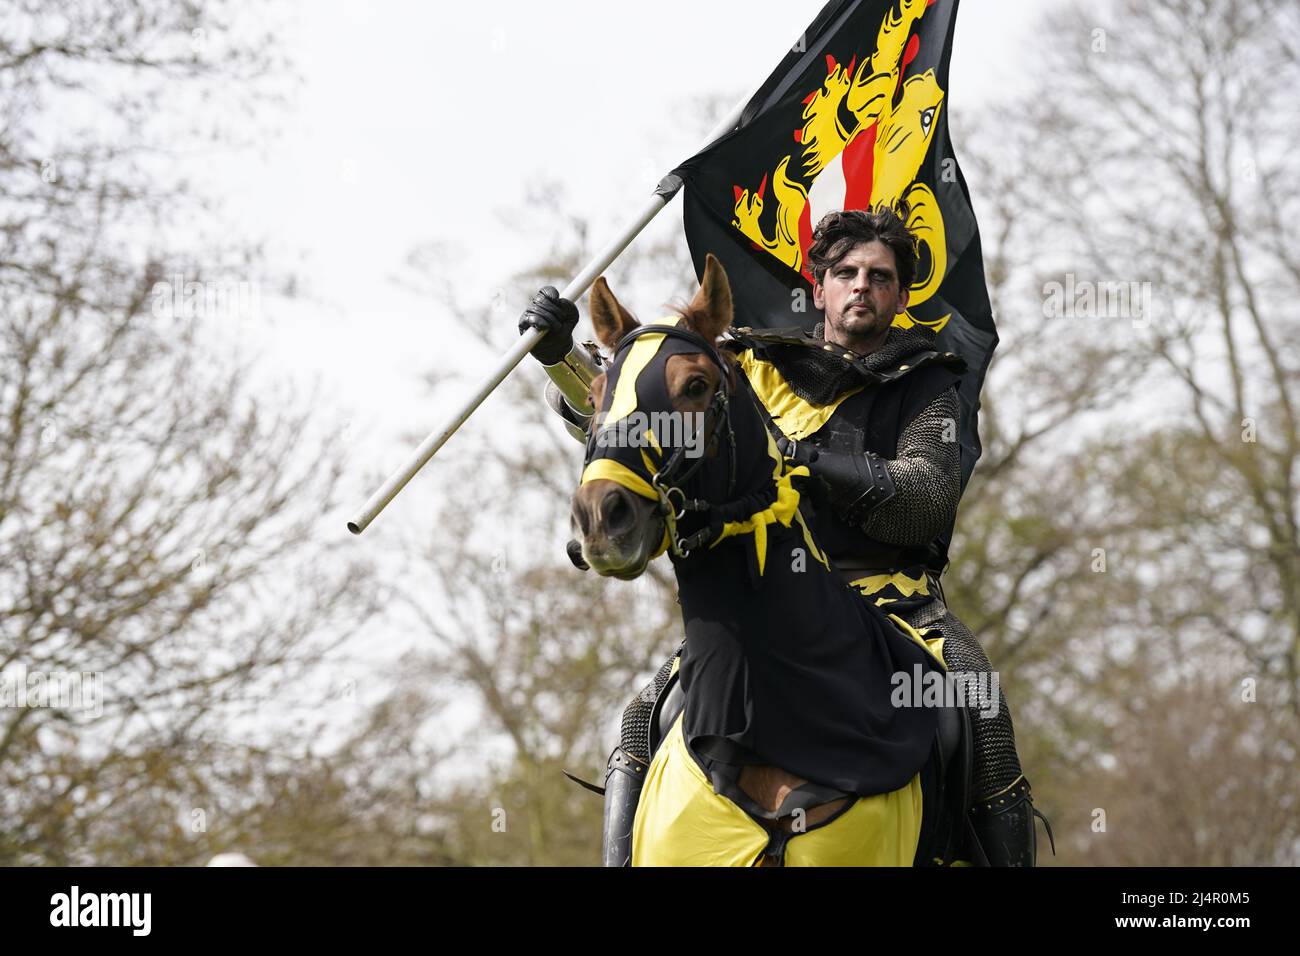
point(781, 740)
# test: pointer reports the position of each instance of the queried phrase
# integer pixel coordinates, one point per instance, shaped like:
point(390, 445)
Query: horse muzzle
point(616, 531)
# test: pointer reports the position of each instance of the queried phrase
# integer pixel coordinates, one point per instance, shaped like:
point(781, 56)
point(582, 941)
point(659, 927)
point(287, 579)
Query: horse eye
point(696, 388)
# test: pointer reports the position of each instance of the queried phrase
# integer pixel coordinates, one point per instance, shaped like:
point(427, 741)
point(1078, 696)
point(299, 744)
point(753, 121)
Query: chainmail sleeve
point(927, 477)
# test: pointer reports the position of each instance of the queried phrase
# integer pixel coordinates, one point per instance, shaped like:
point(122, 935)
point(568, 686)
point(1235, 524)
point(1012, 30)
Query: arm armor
point(926, 477)
point(566, 392)
point(856, 484)
point(910, 499)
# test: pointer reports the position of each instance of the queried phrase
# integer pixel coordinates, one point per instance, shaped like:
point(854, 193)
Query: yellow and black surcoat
point(899, 403)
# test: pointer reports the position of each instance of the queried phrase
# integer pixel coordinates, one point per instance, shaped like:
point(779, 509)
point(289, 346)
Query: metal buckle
point(669, 514)
point(681, 511)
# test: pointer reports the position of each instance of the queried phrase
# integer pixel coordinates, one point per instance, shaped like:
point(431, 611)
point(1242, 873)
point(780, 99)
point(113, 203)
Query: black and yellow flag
point(854, 116)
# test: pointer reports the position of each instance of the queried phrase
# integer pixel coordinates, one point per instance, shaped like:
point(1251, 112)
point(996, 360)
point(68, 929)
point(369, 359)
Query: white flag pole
point(667, 188)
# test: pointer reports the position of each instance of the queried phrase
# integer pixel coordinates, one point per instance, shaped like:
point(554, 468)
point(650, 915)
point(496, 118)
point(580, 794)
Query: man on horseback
point(872, 410)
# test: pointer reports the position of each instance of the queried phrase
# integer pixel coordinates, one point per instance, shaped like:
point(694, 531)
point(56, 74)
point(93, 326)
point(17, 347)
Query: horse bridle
point(667, 480)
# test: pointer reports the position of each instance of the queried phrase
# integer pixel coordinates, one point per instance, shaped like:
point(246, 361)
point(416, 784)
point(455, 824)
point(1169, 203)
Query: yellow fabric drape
point(681, 821)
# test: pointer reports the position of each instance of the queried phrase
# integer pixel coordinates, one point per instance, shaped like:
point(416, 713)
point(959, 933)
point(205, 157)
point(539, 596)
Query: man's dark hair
point(839, 232)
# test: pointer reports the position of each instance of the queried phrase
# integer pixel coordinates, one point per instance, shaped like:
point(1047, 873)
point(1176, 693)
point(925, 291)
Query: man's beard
point(862, 323)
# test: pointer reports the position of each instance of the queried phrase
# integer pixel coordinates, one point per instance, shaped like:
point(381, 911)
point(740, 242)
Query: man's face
point(860, 295)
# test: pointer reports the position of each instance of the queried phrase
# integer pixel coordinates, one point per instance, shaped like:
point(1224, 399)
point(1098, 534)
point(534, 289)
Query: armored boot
point(1004, 826)
point(624, 778)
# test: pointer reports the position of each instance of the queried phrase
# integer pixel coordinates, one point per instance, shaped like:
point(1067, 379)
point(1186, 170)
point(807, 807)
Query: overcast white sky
point(415, 121)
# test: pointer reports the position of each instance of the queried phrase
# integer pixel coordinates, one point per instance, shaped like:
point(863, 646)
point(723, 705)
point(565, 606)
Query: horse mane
point(693, 315)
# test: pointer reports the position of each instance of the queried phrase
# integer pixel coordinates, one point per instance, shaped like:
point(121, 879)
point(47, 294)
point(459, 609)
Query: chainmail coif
point(819, 375)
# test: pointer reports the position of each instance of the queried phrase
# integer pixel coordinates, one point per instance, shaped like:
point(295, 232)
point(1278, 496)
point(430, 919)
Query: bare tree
point(1129, 542)
point(156, 512)
point(1201, 208)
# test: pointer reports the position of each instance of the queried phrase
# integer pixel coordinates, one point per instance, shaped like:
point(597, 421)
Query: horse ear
point(608, 317)
point(711, 309)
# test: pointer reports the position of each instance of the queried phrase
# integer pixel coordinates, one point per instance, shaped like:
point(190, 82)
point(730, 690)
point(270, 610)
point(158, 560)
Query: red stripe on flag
point(858, 162)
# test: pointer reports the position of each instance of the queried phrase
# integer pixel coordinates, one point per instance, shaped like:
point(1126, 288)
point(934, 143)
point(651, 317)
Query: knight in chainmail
point(873, 409)
point(886, 512)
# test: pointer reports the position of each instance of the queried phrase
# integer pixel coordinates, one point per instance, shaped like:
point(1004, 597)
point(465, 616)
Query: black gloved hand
point(554, 316)
point(856, 484)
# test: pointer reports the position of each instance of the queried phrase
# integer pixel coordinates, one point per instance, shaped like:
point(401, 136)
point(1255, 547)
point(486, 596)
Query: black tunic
point(796, 673)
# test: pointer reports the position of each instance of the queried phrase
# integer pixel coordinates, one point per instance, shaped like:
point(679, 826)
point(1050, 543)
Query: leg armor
point(1004, 825)
point(1003, 812)
point(624, 778)
point(626, 770)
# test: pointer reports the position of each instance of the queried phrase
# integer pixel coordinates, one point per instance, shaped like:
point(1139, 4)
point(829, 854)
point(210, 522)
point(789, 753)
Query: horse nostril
point(619, 516)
